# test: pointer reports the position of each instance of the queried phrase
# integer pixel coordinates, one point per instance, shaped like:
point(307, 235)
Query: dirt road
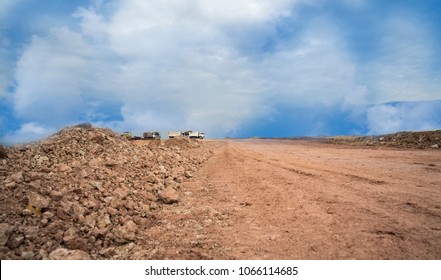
point(283, 199)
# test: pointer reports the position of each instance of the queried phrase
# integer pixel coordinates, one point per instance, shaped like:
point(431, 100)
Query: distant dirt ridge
point(404, 139)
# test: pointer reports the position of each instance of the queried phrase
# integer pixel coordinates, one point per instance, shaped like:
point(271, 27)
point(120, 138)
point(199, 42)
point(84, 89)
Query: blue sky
point(230, 68)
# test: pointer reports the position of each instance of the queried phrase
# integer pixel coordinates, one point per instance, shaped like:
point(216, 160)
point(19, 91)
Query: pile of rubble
point(419, 140)
point(86, 191)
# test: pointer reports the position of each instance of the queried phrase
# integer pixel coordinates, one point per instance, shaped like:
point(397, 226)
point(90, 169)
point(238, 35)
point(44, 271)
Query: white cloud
point(403, 71)
point(6, 6)
point(56, 76)
point(407, 116)
point(176, 65)
point(27, 132)
point(4, 73)
point(312, 69)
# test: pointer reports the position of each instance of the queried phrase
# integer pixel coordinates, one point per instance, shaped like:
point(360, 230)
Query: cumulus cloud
point(313, 68)
point(58, 75)
point(5, 61)
point(212, 65)
point(173, 62)
point(6, 6)
point(4, 73)
point(403, 71)
point(404, 116)
point(28, 132)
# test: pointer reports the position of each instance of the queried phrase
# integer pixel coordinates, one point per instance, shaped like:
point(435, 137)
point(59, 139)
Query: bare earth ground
point(285, 199)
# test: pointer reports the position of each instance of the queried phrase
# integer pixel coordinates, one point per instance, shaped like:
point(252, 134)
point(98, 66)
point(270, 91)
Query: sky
point(239, 68)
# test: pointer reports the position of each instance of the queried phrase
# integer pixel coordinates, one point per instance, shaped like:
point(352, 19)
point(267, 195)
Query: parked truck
point(196, 134)
point(151, 135)
point(186, 134)
point(127, 135)
point(174, 134)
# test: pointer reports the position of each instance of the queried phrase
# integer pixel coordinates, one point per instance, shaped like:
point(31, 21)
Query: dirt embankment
point(88, 192)
point(405, 139)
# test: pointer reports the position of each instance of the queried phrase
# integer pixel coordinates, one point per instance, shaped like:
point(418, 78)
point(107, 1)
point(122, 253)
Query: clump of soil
point(86, 192)
point(418, 140)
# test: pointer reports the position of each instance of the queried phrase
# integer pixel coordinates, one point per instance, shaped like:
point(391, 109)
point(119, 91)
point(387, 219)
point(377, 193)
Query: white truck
point(195, 134)
point(174, 134)
point(187, 134)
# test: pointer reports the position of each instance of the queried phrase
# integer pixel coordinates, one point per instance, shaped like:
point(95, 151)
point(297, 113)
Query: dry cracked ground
point(89, 193)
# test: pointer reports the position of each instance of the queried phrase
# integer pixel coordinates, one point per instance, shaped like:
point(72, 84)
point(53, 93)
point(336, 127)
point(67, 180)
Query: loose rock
point(38, 201)
point(5, 231)
point(169, 195)
point(64, 254)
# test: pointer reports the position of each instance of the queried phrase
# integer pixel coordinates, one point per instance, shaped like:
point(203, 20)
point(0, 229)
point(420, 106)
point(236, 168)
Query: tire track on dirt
point(244, 204)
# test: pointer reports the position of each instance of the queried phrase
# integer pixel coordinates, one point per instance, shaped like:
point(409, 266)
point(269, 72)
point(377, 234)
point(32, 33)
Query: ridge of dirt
point(88, 193)
point(404, 139)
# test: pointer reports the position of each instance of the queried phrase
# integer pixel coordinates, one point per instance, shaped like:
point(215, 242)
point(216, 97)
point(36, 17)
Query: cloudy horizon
point(230, 68)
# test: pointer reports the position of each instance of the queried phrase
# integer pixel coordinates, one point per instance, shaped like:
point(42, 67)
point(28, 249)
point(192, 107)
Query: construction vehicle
point(174, 134)
point(186, 134)
point(201, 135)
point(151, 135)
point(195, 134)
point(127, 135)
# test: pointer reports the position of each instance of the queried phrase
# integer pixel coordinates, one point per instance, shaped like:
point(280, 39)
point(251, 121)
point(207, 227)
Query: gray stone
point(27, 255)
point(15, 240)
point(5, 232)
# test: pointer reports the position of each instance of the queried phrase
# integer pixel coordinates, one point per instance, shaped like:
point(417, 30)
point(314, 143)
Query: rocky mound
point(85, 192)
point(419, 140)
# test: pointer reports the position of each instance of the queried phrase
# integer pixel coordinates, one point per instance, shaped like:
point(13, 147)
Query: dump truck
point(174, 134)
point(186, 134)
point(151, 135)
point(195, 134)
